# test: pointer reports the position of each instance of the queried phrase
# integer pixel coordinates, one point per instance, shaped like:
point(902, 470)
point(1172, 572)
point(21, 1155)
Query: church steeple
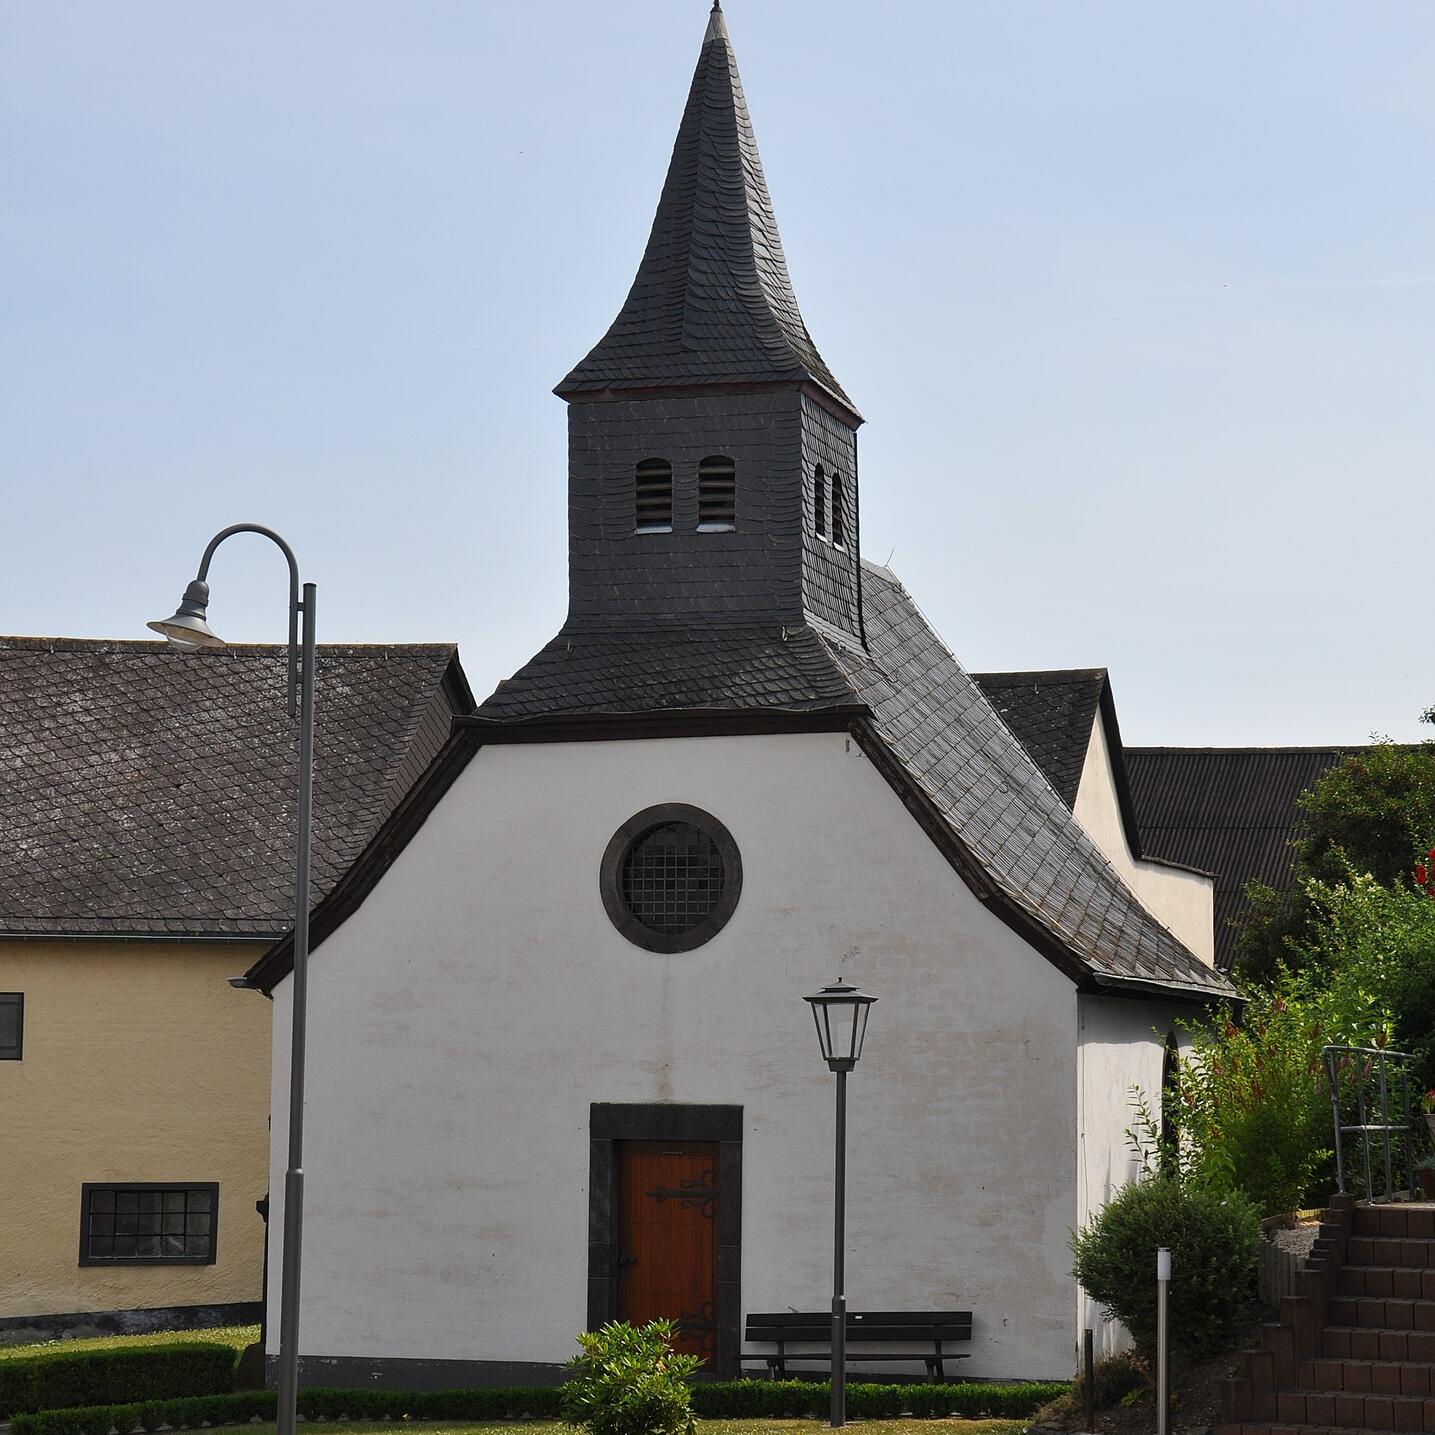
point(712, 455)
point(712, 303)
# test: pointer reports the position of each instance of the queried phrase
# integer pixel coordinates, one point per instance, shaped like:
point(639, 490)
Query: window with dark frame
point(12, 1025)
point(839, 516)
point(819, 502)
point(164, 1224)
point(673, 878)
point(653, 496)
point(717, 495)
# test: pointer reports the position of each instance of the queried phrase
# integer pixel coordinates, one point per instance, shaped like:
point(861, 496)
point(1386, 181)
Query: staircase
point(1355, 1349)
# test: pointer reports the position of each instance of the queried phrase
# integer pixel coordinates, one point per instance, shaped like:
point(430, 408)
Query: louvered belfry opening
point(717, 494)
point(839, 513)
point(653, 502)
point(819, 502)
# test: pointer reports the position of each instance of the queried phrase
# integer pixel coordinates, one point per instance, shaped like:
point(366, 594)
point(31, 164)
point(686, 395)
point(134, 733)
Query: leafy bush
point(1213, 1238)
point(1253, 1113)
point(1371, 814)
point(1113, 1378)
point(731, 1399)
point(60, 1378)
point(629, 1380)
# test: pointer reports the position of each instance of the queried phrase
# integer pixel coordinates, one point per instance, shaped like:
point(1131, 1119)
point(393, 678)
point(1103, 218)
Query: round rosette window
point(671, 877)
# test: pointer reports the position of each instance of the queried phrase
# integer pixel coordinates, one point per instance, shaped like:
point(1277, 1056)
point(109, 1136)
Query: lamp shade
point(187, 628)
point(840, 1011)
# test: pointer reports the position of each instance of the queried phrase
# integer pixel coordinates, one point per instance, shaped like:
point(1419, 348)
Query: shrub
point(1213, 1238)
point(60, 1379)
point(1112, 1378)
point(731, 1399)
point(628, 1380)
point(1253, 1110)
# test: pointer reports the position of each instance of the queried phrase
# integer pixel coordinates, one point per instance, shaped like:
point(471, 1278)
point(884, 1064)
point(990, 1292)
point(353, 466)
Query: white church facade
point(559, 1066)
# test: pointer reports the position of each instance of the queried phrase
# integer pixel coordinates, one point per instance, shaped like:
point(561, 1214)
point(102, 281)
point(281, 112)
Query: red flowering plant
point(1427, 1102)
point(1425, 874)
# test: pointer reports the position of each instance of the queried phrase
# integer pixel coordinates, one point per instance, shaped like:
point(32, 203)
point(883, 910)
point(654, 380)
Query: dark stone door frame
point(609, 1123)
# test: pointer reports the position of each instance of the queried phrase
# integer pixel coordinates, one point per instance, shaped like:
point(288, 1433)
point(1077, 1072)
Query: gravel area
point(1298, 1240)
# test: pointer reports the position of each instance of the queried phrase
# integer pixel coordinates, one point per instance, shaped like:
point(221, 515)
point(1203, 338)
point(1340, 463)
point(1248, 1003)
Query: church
point(560, 1070)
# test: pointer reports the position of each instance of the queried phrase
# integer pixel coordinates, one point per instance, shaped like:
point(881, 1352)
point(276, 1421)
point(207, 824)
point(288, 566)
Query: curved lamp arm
point(189, 628)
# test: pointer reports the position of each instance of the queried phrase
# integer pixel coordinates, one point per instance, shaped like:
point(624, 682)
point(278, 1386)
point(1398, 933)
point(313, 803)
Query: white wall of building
point(465, 1017)
point(1122, 1047)
point(1183, 902)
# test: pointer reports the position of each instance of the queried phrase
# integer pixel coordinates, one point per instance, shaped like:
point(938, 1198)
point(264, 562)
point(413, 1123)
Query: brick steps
point(1390, 1251)
point(1275, 1428)
point(1375, 1313)
point(1362, 1343)
point(1348, 1411)
point(1404, 1282)
point(1367, 1377)
point(1354, 1350)
point(1398, 1222)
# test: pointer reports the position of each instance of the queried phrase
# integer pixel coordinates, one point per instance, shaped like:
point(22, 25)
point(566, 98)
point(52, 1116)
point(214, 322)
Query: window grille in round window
point(671, 878)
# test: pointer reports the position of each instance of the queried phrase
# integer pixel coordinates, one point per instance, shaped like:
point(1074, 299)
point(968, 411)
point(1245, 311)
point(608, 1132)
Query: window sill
point(717, 527)
point(654, 528)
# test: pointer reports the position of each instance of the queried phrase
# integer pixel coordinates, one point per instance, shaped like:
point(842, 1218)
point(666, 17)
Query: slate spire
point(712, 303)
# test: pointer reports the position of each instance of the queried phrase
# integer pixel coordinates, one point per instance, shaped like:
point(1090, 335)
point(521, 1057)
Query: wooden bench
point(931, 1330)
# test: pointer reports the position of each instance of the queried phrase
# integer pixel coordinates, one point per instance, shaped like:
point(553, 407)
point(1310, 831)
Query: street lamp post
point(840, 1011)
point(189, 629)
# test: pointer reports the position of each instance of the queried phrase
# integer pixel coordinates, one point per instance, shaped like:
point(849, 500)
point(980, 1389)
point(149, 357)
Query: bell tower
point(712, 453)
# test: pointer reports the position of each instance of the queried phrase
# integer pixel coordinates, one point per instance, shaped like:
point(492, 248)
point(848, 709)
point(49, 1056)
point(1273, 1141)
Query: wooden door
point(667, 1238)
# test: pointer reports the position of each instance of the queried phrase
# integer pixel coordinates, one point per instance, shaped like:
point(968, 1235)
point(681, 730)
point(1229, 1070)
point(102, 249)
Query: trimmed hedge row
point(58, 1379)
point(794, 1399)
point(731, 1399)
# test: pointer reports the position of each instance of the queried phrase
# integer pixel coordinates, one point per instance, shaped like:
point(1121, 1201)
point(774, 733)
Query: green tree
point(1373, 813)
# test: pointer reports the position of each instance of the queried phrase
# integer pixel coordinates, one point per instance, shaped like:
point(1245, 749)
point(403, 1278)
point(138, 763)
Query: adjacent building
point(147, 811)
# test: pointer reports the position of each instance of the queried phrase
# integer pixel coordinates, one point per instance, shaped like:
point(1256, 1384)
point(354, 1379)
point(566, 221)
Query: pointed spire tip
point(717, 24)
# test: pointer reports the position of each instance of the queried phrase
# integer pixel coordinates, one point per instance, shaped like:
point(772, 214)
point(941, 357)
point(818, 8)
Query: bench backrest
point(816, 1325)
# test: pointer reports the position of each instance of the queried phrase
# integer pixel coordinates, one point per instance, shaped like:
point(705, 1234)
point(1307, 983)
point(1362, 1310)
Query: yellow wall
point(140, 1064)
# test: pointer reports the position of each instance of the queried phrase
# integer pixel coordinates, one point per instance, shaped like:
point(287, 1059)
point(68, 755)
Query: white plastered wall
point(1121, 1048)
point(1183, 902)
point(463, 1019)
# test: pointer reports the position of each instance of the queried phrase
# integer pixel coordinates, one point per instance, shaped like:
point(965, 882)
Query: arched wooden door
point(667, 1235)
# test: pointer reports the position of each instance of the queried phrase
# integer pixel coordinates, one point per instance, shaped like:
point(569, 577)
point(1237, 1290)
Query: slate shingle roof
point(654, 669)
point(1231, 811)
point(148, 791)
point(1052, 714)
point(932, 716)
point(712, 302)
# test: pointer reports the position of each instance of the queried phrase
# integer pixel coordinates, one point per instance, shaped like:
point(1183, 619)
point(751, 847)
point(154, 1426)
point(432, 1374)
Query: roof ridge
point(35, 643)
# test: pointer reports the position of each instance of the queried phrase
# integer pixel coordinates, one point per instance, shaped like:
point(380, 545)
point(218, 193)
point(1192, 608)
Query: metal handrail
point(1363, 1126)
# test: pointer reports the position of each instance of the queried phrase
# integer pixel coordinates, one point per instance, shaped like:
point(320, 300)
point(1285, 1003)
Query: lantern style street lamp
point(840, 1011)
point(188, 628)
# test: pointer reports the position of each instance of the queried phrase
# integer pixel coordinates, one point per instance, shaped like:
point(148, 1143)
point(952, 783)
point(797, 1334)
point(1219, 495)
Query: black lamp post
point(189, 630)
point(840, 1011)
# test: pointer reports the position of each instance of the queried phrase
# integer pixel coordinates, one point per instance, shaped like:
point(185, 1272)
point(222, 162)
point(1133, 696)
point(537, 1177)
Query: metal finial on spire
point(717, 7)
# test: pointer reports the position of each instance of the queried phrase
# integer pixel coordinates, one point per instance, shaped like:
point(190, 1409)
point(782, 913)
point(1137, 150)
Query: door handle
point(624, 1262)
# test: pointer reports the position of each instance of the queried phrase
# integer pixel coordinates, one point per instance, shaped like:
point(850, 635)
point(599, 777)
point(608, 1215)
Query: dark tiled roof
point(1231, 811)
point(712, 302)
point(932, 717)
point(1052, 714)
point(658, 669)
point(148, 791)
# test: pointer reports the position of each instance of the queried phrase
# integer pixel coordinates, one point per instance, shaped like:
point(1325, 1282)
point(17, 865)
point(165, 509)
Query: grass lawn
point(705, 1427)
point(236, 1335)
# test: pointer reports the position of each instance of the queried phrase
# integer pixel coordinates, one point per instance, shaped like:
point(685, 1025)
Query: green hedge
point(732, 1399)
point(59, 1379)
point(795, 1399)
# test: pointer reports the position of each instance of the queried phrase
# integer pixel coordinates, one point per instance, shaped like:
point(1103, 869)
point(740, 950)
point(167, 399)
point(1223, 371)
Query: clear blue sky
point(1139, 301)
